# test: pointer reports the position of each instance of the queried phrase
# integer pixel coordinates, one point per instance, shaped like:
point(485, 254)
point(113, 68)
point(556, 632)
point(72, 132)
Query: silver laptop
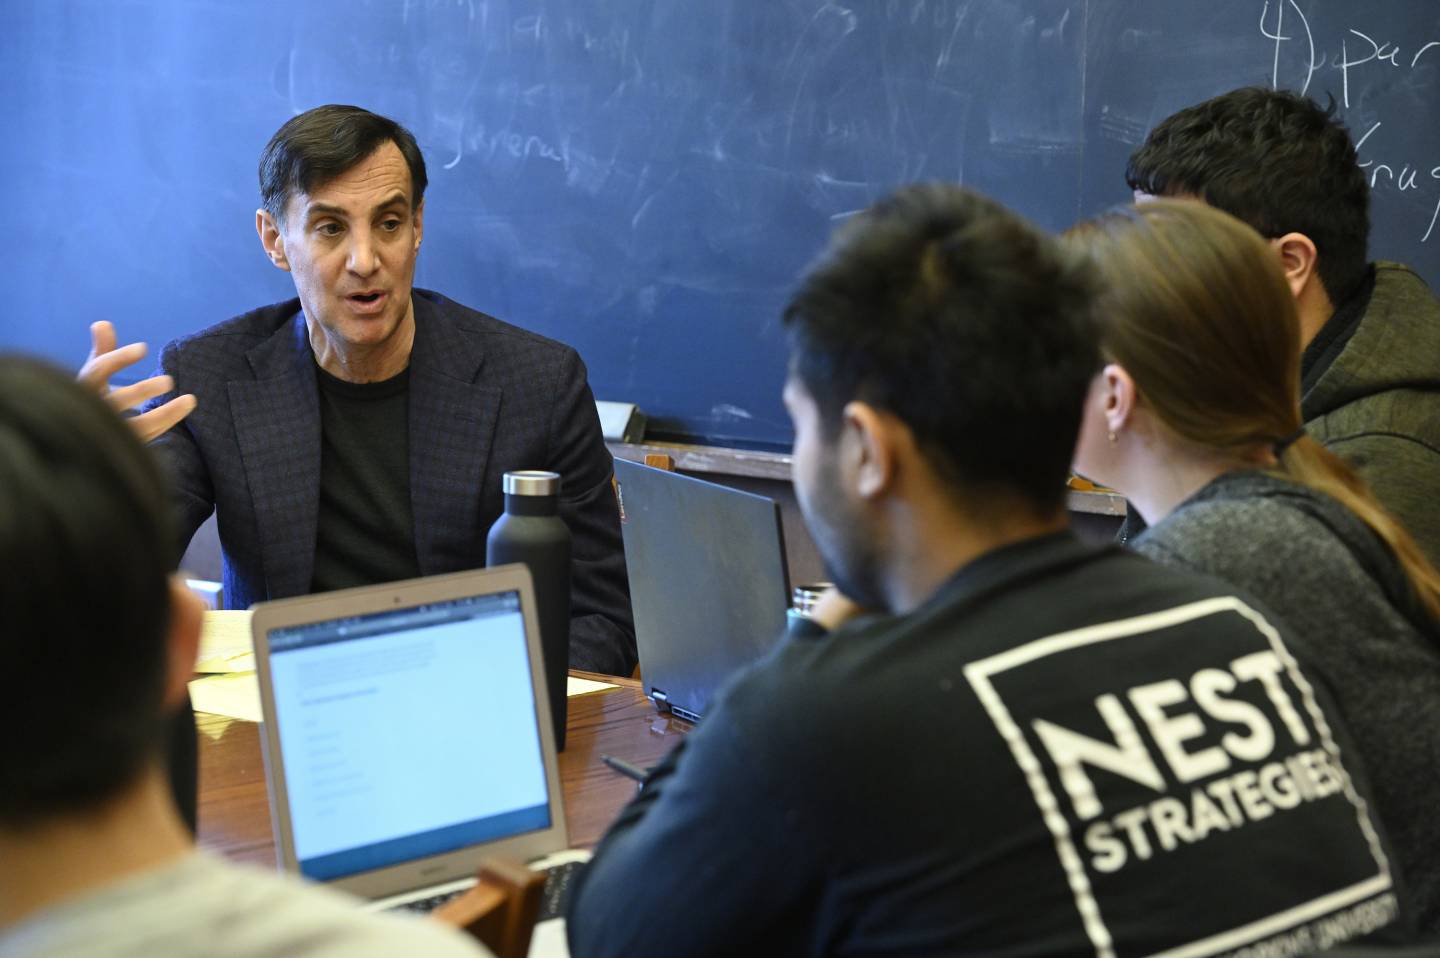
point(407, 735)
point(708, 582)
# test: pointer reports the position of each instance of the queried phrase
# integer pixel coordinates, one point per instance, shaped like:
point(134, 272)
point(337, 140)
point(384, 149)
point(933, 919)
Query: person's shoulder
point(802, 689)
point(1259, 519)
point(1400, 328)
point(1401, 280)
point(1292, 548)
point(203, 904)
point(767, 686)
point(235, 336)
point(496, 334)
point(290, 917)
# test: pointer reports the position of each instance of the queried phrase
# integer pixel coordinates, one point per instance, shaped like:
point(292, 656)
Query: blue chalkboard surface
point(643, 179)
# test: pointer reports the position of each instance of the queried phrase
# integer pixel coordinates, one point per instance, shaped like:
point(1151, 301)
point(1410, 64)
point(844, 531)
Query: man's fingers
point(105, 361)
point(128, 397)
point(98, 369)
point(102, 339)
point(161, 418)
point(834, 608)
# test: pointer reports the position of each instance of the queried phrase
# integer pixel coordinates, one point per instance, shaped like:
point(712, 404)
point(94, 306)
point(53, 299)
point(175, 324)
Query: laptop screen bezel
point(310, 610)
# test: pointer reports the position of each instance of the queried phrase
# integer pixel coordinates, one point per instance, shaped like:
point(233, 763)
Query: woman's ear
point(1120, 396)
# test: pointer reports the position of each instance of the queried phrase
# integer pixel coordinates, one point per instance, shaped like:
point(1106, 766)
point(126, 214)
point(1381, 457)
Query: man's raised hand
point(105, 361)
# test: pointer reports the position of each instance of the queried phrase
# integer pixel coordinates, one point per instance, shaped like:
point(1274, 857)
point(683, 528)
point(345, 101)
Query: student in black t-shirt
point(1028, 746)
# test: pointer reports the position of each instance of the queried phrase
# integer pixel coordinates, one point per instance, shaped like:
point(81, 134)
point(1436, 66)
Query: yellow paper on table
point(235, 694)
point(225, 644)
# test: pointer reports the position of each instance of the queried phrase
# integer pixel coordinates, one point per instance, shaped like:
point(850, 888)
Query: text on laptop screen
point(407, 733)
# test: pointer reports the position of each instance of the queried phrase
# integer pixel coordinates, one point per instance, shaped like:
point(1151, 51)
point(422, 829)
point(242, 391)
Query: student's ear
point(869, 440)
point(187, 613)
point(271, 239)
point(1119, 395)
point(419, 223)
point(1298, 259)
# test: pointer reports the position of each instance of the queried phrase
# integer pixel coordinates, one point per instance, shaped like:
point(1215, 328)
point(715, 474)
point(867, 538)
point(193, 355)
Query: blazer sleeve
point(602, 631)
point(191, 490)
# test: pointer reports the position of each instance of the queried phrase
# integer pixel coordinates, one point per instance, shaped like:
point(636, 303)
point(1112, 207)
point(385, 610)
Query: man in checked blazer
point(359, 432)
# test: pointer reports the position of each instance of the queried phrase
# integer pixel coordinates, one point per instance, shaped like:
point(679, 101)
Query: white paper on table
point(574, 686)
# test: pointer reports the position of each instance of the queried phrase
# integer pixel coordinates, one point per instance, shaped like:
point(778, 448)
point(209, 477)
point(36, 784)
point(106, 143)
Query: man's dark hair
point(1275, 160)
point(86, 546)
point(972, 326)
point(320, 144)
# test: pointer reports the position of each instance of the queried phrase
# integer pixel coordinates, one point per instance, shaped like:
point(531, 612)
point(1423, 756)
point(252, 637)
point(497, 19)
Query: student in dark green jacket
point(1369, 332)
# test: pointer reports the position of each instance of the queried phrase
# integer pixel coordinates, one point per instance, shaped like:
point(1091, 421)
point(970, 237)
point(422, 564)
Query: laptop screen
point(407, 733)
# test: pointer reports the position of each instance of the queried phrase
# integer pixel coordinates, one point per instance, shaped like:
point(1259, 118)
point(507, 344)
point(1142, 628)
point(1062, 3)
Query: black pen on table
point(625, 768)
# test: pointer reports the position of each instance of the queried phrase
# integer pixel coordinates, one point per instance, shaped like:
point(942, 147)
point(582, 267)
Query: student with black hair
point(1369, 332)
point(94, 858)
point(1028, 746)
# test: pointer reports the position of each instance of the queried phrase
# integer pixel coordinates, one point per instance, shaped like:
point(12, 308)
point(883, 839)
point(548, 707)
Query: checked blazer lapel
point(452, 425)
point(277, 426)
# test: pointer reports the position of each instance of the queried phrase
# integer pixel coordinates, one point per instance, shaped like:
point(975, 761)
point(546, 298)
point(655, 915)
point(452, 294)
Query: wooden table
point(235, 812)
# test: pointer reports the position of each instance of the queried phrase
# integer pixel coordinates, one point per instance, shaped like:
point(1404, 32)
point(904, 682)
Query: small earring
point(1111, 434)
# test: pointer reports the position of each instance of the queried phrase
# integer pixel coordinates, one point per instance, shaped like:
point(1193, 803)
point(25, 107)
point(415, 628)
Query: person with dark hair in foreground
point(1369, 332)
point(358, 433)
point(94, 858)
point(1196, 419)
point(1027, 746)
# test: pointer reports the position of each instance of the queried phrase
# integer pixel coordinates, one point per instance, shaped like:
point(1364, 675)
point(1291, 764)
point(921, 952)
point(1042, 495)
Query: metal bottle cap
point(531, 482)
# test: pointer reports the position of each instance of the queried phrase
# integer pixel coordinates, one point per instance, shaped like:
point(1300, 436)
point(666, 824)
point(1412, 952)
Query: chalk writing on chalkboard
point(1361, 54)
point(642, 179)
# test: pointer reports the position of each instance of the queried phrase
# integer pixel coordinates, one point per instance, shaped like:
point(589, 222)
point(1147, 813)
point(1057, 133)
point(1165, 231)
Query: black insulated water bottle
point(531, 531)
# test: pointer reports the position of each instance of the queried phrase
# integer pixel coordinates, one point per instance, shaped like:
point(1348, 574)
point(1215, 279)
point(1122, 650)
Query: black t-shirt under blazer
point(365, 532)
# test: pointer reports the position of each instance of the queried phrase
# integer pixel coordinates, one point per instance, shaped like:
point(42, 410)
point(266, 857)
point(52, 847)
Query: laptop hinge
point(661, 700)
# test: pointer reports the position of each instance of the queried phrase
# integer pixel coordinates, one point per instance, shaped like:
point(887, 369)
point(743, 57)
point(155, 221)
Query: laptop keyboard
point(426, 905)
point(554, 897)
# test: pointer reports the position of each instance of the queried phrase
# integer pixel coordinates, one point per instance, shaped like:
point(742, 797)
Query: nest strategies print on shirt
point(1176, 769)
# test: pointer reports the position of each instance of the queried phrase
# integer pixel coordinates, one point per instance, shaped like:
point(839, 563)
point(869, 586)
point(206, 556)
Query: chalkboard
point(643, 179)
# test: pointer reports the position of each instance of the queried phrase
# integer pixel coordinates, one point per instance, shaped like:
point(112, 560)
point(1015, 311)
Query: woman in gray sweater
point(1196, 419)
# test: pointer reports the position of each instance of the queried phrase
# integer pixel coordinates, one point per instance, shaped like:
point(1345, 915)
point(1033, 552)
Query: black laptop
point(708, 582)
